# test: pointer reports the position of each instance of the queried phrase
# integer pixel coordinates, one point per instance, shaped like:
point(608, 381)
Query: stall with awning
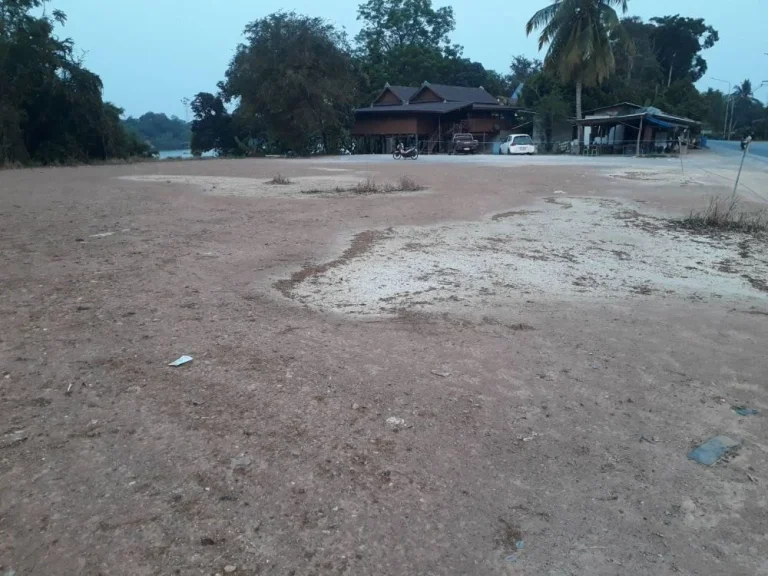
point(627, 128)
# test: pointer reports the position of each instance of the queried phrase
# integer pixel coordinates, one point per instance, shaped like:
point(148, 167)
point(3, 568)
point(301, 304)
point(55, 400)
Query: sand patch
point(254, 187)
point(593, 250)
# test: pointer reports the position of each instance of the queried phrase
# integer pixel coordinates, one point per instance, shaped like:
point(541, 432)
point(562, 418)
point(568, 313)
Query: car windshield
point(523, 140)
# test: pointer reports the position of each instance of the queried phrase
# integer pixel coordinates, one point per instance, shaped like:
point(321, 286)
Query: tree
point(51, 106)
point(748, 111)
point(677, 41)
point(578, 33)
point(392, 24)
point(296, 77)
point(161, 132)
point(212, 127)
point(523, 68)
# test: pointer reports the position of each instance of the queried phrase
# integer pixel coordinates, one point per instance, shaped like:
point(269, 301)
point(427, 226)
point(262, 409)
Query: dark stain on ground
point(361, 243)
point(503, 215)
point(757, 283)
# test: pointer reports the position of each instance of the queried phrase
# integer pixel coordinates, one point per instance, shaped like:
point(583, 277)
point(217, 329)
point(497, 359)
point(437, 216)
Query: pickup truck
point(463, 144)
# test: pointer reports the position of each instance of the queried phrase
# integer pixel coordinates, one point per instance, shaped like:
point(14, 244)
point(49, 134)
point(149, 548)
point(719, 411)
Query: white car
point(517, 144)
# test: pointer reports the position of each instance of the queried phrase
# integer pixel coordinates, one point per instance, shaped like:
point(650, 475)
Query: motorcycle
point(401, 153)
point(745, 142)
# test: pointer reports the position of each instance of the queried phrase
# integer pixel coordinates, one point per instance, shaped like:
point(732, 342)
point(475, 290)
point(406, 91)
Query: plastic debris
point(744, 411)
point(395, 421)
point(441, 374)
point(714, 449)
point(512, 558)
point(102, 234)
point(181, 360)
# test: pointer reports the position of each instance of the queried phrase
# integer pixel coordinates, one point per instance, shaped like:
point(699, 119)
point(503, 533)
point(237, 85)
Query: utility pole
point(185, 103)
point(726, 133)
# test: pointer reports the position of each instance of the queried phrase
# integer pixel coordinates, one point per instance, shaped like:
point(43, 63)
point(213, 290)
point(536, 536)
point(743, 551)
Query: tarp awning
point(662, 123)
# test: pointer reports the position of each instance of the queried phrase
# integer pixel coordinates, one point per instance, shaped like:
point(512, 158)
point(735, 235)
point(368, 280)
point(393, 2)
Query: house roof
point(653, 114)
point(405, 93)
point(617, 105)
point(454, 98)
point(460, 93)
point(426, 107)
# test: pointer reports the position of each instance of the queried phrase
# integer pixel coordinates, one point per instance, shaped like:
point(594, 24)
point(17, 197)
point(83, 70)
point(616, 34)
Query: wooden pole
point(639, 134)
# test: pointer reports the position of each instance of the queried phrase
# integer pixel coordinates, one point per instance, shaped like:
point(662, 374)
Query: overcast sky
point(152, 53)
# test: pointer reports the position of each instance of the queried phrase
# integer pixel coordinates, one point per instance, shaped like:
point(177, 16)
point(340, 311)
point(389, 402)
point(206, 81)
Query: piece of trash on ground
point(13, 438)
point(713, 449)
point(442, 374)
point(181, 360)
point(744, 411)
point(395, 421)
point(102, 234)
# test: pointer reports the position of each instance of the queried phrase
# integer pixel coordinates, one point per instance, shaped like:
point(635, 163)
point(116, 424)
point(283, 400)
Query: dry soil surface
point(500, 375)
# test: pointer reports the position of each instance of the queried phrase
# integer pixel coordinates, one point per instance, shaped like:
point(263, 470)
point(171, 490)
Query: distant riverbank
point(187, 153)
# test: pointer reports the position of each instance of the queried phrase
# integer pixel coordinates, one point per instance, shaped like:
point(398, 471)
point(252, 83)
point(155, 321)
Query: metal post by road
point(738, 176)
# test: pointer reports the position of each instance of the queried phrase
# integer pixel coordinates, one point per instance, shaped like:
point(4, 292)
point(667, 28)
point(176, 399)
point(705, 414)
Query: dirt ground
point(502, 374)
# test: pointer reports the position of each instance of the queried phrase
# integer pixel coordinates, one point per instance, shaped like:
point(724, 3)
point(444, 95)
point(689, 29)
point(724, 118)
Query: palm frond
point(542, 17)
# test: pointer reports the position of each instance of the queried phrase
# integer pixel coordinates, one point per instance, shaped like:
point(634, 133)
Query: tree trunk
point(579, 86)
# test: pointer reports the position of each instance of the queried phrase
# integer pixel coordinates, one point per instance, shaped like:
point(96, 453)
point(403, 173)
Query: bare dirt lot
point(501, 374)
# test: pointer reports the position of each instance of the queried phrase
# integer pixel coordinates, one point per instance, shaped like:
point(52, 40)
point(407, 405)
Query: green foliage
point(679, 41)
point(212, 127)
point(51, 107)
point(161, 132)
point(295, 81)
point(406, 42)
point(578, 34)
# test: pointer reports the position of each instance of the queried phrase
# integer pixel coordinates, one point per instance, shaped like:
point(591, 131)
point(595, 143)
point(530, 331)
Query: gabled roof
point(435, 108)
point(405, 93)
point(458, 93)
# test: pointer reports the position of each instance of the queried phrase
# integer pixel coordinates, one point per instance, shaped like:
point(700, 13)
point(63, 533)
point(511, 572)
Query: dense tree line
point(161, 132)
point(294, 82)
point(51, 106)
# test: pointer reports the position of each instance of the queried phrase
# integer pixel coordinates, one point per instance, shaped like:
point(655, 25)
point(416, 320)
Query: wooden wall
point(368, 125)
point(388, 98)
point(426, 95)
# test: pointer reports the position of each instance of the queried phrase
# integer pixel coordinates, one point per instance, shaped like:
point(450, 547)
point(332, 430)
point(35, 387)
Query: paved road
point(756, 149)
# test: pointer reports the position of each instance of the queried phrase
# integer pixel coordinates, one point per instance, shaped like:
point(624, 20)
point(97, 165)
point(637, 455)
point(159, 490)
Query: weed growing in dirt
point(370, 186)
point(725, 215)
point(280, 180)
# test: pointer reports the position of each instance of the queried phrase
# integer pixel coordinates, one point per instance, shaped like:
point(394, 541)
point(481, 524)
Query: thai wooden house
point(429, 116)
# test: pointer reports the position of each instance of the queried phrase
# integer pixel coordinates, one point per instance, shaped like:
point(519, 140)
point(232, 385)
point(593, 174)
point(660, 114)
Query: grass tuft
point(280, 180)
point(370, 186)
point(725, 215)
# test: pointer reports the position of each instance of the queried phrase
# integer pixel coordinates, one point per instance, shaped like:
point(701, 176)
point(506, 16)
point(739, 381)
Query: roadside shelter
point(627, 128)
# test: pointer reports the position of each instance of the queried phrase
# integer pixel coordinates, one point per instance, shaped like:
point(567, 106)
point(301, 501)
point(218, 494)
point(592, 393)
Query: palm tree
point(578, 33)
point(744, 91)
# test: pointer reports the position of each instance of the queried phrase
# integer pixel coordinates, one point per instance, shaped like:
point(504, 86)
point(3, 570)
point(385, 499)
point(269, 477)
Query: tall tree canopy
point(51, 107)
point(578, 34)
point(408, 41)
point(295, 77)
point(678, 42)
